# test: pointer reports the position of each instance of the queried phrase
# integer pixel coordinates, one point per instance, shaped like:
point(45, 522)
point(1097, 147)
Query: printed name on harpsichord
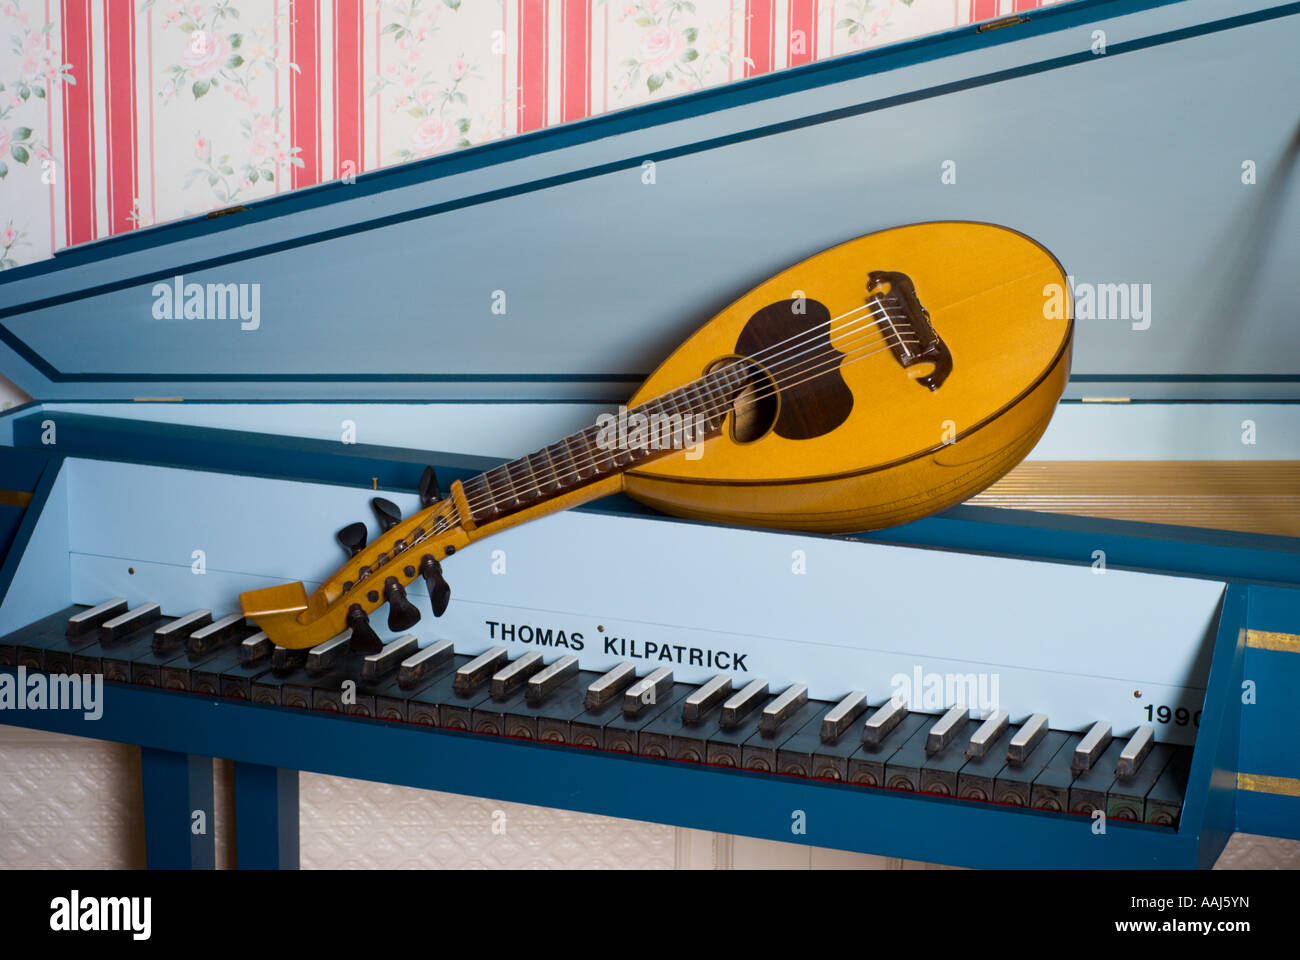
point(179, 300)
point(52, 691)
point(676, 653)
point(75, 913)
point(628, 648)
point(531, 633)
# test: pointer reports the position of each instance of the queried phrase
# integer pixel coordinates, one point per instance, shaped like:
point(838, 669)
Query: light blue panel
point(1055, 636)
point(604, 275)
point(41, 584)
point(486, 429)
point(1078, 431)
point(1172, 431)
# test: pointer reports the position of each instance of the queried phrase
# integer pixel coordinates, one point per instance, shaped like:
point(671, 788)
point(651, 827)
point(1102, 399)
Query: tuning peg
point(439, 589)
point(402, 613)
point(352, 538)
point(429, 492)
point(364, 639)
point(386, 512)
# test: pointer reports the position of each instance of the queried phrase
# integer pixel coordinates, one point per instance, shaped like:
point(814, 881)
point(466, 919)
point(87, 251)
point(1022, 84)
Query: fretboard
point(668, 423)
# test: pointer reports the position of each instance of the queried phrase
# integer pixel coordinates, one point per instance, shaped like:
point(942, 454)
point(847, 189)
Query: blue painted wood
point(27, 524)
point(178, 809)
point(1268, 814)
point(256, 454)
point(1268, 746)
point(1212, 780)
point(1268, 725)
point(708, 798)
point(266, 817)
point(1274, 608)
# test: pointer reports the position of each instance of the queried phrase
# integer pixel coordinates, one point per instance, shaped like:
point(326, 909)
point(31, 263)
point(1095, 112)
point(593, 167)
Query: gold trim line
point(1267, 640)
point(14, 498)
point(1258, 783)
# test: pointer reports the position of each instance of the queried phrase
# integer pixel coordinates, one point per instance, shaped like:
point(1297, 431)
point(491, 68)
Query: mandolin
point(872, 384)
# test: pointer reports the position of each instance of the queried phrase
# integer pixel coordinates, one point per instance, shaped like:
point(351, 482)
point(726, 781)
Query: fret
point(581, 470)
point(504, 485)
point(527, 461)
point(594, 454)
point(548, 468)
point(475, 489)
point(563, 476)
point(483, 504)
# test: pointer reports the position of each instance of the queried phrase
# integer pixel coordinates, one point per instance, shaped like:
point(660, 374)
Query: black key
point(762, 749)
point(1015, 781)
point(867, 763)
point(903, 769)
point(423, 704)
point(941, 770)
point(1089, 789)
point(29, 646)
point(1164, 804)
point(1127, 797)
point(809, 754)
point(978, 777)
point(548, 719)
point(1051, 788)
point(611, 727)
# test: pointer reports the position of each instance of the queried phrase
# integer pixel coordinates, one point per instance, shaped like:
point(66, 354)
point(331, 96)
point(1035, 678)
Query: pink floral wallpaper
point(116, 114)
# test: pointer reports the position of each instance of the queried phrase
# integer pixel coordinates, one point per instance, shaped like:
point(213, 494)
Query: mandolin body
point(898, 450)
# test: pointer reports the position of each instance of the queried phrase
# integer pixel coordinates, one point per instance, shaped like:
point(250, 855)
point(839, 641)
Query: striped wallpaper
point(116, 114)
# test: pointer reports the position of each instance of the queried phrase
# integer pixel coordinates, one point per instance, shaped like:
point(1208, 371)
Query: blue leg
point(177, 810)
point(266, 817)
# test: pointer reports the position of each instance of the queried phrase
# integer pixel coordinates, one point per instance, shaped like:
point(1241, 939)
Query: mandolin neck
point(579, 467)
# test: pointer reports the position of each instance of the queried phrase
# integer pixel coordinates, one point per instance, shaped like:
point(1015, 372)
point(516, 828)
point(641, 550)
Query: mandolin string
point(509, 470)
point(845, 356)
point(852, 353)
point(829, 366)
point(847, 353)
point(767, 354)
point(604, 459)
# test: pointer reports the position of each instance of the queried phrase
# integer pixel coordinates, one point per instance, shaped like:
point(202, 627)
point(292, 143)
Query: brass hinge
point(999, 24)
point(225, 211)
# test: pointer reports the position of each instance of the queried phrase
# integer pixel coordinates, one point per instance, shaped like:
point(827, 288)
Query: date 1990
point(1178, 716)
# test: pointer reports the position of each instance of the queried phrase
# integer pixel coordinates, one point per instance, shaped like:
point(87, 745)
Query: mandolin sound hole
point(757, 405)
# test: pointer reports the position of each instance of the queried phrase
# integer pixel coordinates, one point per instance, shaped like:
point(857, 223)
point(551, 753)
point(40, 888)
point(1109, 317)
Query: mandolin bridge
point(907, 324)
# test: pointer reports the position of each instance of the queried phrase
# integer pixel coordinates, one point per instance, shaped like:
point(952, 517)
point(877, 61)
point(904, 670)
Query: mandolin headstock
point(375, 574)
